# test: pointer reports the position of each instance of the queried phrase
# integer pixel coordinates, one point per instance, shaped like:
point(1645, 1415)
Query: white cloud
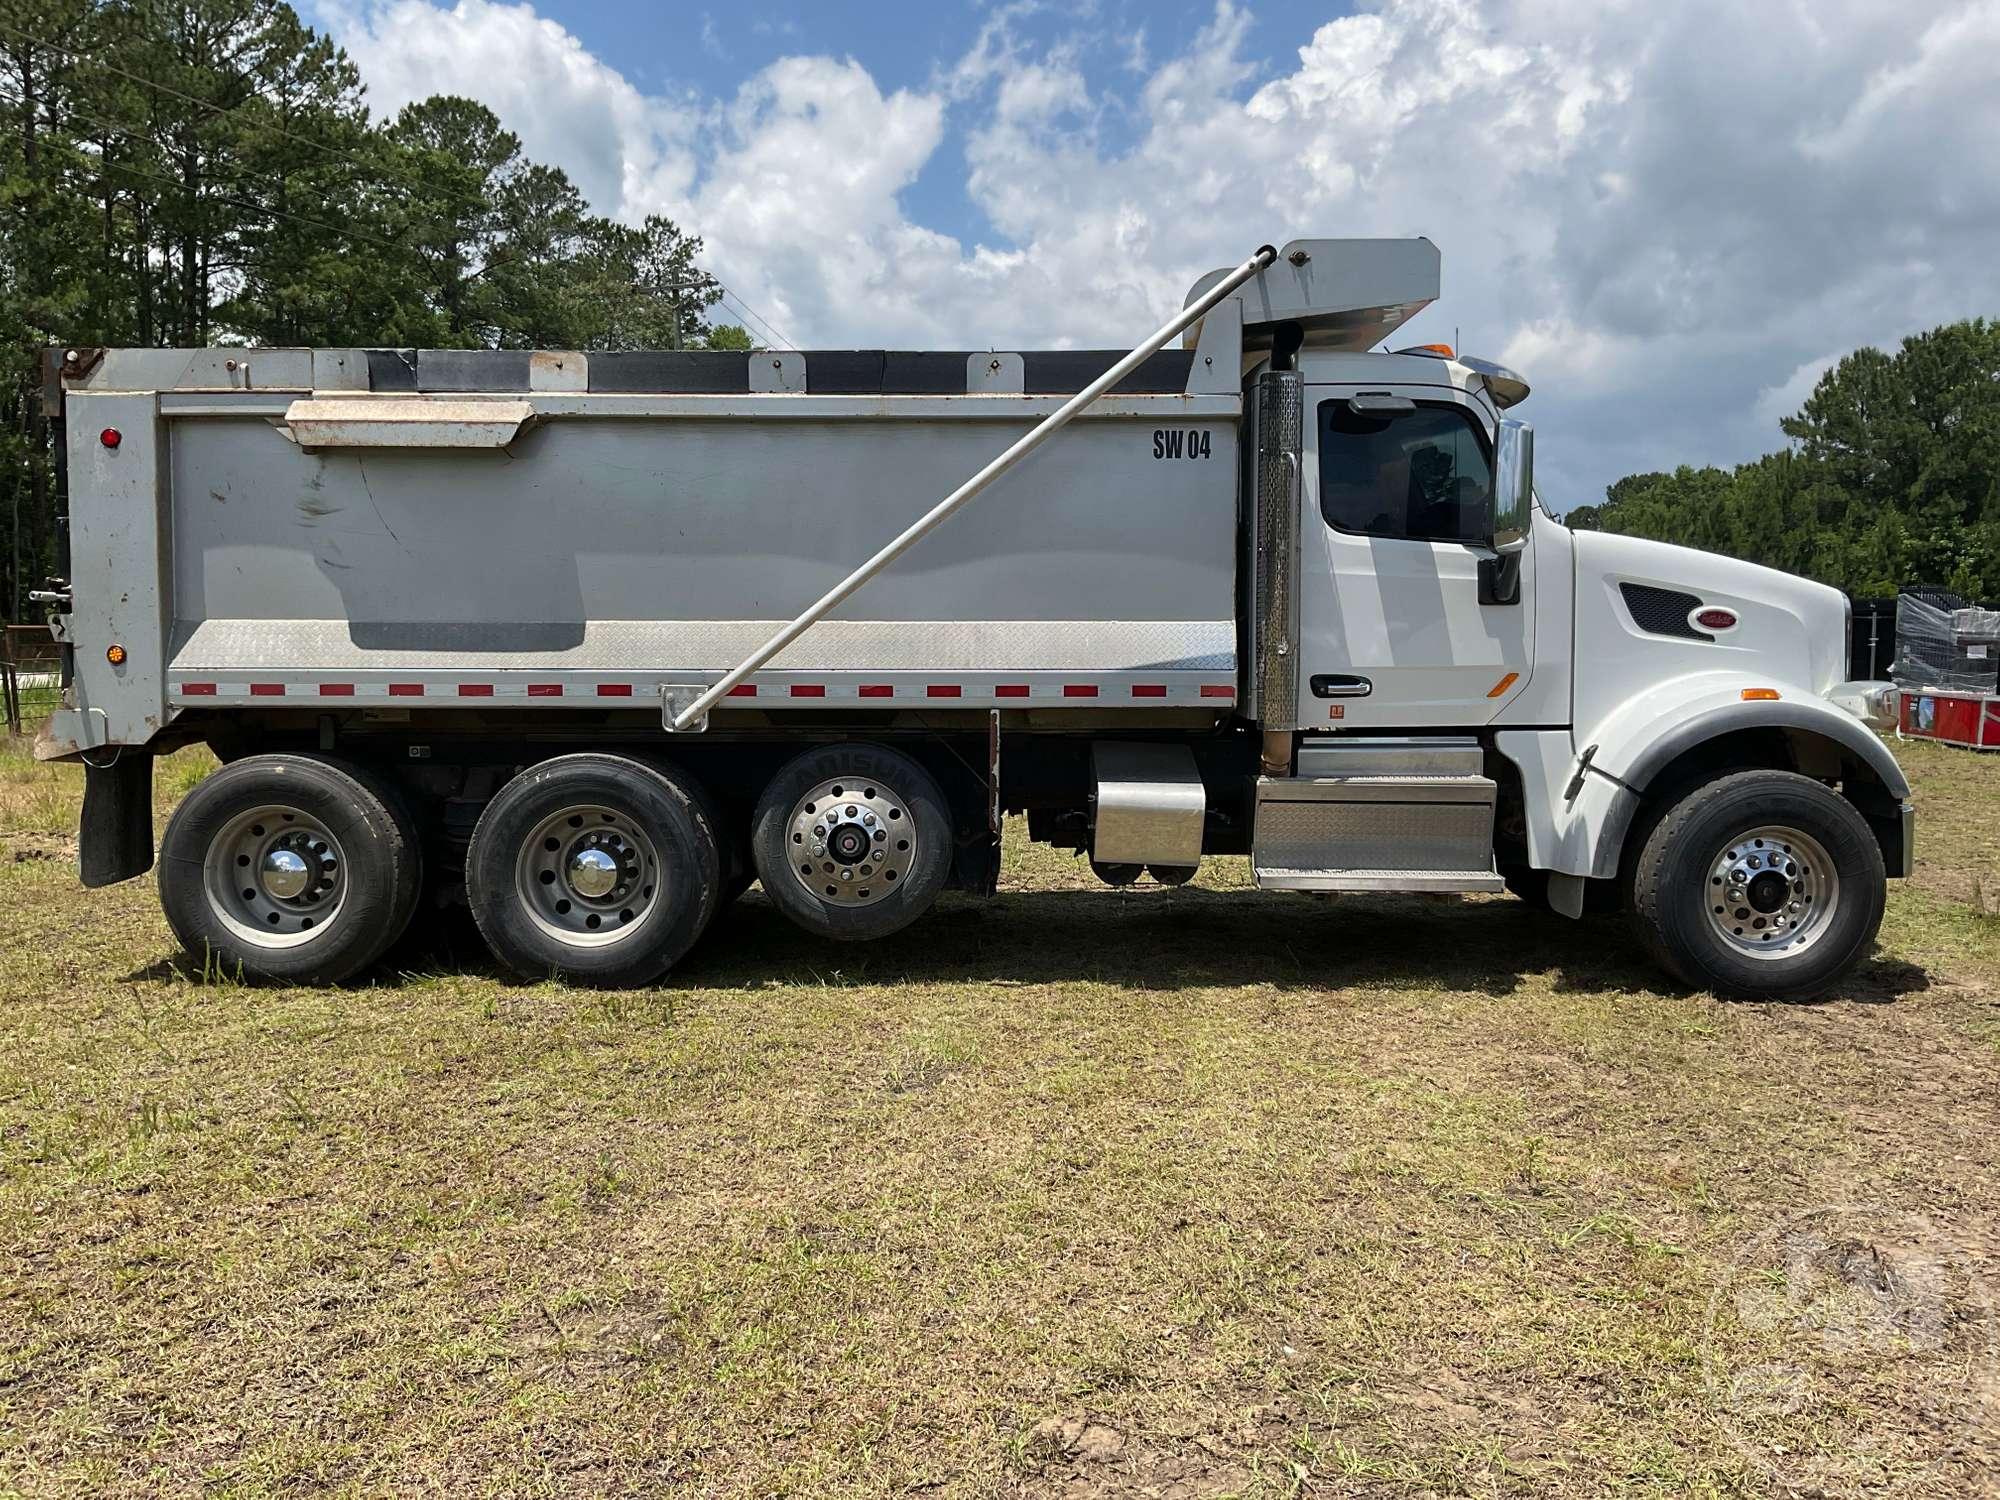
point(567, 106)
point(1667, 215)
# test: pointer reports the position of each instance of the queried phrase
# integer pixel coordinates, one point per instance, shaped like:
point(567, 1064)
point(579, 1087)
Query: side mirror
point(1513, 485)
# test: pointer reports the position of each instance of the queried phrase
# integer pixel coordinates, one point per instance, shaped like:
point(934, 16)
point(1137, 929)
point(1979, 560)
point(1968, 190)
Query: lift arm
point(695, 714)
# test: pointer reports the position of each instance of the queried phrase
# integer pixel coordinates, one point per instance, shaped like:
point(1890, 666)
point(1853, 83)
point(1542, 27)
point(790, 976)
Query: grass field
point(1079, 1191)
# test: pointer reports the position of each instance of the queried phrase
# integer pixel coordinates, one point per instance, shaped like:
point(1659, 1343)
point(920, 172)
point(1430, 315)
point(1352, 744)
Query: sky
point(1670, 216)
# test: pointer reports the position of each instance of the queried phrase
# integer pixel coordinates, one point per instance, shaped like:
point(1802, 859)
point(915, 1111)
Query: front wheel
point(1762, 884)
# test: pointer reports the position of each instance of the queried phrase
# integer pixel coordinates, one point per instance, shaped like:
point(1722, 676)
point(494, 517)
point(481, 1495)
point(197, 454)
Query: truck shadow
point(1165, 940)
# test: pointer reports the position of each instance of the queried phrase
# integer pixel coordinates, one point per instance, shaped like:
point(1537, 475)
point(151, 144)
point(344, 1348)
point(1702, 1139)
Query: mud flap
point(117, 832)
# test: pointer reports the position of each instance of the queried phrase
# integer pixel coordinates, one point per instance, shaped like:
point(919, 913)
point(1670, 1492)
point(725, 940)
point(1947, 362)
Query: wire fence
point(30, 676)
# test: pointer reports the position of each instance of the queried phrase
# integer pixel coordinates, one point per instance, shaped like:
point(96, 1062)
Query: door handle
point(1340, 685)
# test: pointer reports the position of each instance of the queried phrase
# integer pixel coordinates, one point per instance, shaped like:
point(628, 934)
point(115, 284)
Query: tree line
point(209, 172)
point(1891, 478)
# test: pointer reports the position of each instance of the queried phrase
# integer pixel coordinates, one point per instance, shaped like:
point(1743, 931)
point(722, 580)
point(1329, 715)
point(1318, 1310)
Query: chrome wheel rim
point(275, 877)
point(1772, 892)
point(852, 841)
point(588, 876)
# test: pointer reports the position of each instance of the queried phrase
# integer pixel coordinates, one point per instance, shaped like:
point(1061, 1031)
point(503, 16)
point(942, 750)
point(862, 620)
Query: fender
point(1581, 804)
point(1815, 716)
point(1647, 732)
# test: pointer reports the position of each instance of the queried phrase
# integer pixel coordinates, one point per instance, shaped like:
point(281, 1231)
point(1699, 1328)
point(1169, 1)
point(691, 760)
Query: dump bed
point(345, 526)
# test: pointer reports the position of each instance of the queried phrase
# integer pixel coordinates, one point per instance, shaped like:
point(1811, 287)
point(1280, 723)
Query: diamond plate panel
point(1374, 836)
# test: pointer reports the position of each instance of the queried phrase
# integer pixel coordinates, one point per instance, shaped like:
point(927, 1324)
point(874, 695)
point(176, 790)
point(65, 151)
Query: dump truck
point(592, 642)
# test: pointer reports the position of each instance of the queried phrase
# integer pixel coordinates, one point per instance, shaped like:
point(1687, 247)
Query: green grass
point(1205, 1191)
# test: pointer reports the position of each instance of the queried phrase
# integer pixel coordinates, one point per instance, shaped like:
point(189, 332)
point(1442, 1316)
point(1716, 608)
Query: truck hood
point(1789, 628)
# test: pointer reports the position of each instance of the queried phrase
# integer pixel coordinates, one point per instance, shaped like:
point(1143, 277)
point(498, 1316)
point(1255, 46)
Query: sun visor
point(1346, 294)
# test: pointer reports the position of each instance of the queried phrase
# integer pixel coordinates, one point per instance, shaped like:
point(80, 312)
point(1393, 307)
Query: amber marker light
point(1759, 695)
point(1504, 683)
point(116, 656)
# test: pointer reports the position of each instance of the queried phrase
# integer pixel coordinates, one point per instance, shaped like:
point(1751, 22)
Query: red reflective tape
point(808, 690)
point(1217, 690)
point(475, 690)
point(406, 690)
point(1079, 690)
point(1149, 690)
point(198, 689)
point(943, 690)
point(267, 690)
point(744, 690)
point(877, 690)
point(545, 690)
point(1011, 690)
point(614, 690)
point(336, 690)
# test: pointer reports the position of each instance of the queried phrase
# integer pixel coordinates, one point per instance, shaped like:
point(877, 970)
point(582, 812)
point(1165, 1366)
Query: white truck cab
point(590, 642)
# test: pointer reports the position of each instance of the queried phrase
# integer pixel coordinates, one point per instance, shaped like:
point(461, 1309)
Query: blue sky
point(708, 50)
point(1672, 218)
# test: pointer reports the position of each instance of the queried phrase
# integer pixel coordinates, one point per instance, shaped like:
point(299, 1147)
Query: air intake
point(1660, 611)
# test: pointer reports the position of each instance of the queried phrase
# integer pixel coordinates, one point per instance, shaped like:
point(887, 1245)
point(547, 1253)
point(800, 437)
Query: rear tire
point(593, 868)
point(734, 872)
point(289, 868)
point(1761, 885)
point(852, 841)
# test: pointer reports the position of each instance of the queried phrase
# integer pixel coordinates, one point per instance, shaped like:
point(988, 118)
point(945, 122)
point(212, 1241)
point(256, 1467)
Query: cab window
point(1421, 472)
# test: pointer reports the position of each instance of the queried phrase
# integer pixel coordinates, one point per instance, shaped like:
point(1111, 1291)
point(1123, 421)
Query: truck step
point(1390, 755)
point(1444, 881)
point(1374, 831)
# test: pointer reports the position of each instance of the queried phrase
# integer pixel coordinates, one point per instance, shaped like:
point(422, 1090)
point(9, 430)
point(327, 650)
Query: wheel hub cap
point(593, 873)
point(1772, 892)
point(275, 877)
point(285, 875)
point(1767, 891)
point(853, 841)
point(588, 875)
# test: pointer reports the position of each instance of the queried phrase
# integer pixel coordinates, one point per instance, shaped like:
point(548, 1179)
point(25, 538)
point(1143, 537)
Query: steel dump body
point(619, 543)
point(655, 548)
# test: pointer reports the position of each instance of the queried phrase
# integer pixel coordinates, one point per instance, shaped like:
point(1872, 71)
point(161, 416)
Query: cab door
point(1403, 624)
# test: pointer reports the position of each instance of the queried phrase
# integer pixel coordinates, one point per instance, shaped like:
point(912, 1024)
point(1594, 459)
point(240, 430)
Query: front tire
point(852, 841)
point(592, 868)
point(1761, 884)
point(290, 869)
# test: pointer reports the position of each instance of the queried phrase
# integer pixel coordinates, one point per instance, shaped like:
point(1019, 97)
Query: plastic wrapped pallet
point(1945, 644)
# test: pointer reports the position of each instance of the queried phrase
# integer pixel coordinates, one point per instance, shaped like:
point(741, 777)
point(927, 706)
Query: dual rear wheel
point(291, 868)
point(601, 869)
point(597, 868)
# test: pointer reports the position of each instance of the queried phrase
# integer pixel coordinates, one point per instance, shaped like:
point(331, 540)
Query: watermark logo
point(1854, 1350)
